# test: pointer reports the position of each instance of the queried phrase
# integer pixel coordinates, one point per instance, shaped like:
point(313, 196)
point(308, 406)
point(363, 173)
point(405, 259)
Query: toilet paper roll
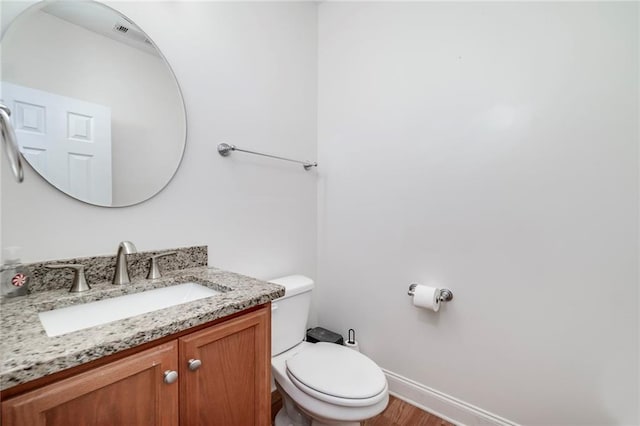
point(355, 346)
point(427, 297)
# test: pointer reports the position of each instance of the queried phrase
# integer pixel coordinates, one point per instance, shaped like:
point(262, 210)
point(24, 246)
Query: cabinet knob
point(194, 364)
point(170, 376)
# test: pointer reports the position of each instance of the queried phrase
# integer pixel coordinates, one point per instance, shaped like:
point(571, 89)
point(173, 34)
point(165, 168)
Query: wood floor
point(400, 413)
point(397, 413)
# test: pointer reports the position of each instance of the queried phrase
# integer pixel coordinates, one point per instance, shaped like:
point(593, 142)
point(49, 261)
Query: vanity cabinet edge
point(109, 394)
point(22, 388)
point(225, 373)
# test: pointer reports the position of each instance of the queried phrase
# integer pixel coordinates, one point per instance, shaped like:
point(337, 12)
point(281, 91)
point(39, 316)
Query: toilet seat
point(324, 412)
point(337, 375)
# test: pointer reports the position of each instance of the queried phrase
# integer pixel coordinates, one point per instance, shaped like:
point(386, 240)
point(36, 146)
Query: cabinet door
point(231, 386)
point(130, 391)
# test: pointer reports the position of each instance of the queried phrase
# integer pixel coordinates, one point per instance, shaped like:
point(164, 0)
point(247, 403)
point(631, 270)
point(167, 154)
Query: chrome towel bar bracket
point(225, 149)
point(445, 294)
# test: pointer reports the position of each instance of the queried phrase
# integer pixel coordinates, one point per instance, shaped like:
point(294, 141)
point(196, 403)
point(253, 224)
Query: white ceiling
point(102, 20)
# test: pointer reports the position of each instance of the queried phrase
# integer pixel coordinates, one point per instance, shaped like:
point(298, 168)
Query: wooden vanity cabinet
point(229, 386)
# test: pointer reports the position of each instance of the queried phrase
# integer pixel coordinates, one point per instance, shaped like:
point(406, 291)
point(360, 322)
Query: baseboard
point(440, 404)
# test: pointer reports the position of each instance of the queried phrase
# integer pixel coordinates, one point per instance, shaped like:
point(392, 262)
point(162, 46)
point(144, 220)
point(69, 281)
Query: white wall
point(136, 85)
point(248, 75)
point(493, 149)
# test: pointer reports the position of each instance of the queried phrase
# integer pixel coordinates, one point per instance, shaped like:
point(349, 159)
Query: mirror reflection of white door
point(65, 139)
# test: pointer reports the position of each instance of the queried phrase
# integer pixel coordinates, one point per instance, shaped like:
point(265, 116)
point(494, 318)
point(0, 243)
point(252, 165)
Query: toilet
point(321, 383)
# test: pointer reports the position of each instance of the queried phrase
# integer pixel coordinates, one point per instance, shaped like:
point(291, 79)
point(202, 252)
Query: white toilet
point(321, 383)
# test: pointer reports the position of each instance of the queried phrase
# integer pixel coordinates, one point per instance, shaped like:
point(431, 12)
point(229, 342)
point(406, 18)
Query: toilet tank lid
point(294, 284)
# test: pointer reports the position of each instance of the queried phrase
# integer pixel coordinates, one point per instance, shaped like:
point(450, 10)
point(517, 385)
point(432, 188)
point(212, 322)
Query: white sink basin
point(78, 317)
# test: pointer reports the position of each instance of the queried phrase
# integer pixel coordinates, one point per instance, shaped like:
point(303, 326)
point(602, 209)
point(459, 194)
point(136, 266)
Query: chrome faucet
point(122, 271)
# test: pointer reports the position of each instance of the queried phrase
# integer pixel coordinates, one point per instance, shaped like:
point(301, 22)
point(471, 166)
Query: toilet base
point(282, 419)
point(297, 418)
point(291, 415)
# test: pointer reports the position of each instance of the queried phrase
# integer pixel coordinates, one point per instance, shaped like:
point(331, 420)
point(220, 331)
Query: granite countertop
point(27, 353)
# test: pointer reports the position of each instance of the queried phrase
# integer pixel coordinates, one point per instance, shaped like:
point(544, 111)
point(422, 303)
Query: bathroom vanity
point(201, 362)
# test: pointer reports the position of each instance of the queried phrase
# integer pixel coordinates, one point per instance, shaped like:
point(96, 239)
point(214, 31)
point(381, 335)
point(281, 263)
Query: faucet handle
point(154, 270)
point(79, 281)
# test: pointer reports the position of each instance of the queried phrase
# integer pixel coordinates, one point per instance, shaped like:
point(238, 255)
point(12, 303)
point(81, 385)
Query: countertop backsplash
point(99, 269)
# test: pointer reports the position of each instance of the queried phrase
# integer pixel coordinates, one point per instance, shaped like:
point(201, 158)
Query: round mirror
point(95, 106)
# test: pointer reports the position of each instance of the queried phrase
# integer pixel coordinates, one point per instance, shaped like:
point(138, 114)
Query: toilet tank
point(289, 313)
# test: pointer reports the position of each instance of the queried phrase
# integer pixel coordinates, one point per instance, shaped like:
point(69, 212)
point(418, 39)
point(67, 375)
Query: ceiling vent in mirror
point(120, 28)
point(130, 32)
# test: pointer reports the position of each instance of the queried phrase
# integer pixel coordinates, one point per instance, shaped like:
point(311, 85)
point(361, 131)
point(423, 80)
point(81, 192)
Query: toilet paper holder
point(445, 294)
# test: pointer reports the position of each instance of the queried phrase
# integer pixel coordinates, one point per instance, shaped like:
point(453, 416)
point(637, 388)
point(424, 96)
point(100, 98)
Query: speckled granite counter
point(27, 353)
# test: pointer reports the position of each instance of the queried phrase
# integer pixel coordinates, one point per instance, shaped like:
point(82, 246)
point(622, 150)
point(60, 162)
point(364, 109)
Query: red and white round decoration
point(19, 280)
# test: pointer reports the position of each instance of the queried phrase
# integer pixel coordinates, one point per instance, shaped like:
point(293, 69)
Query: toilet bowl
point(321, 383)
